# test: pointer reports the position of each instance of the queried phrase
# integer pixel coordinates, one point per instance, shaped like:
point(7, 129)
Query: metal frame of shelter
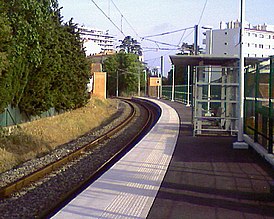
point(216, 98)
point(215, 91)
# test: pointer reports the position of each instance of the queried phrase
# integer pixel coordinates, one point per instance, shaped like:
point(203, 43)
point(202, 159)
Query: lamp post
point(162, 73)
point(188, 86)
point(139, 82)
point(158, 83)
point(241, 76)
point(145, 72)
point(173, 82)
point(117, 84)
point(240, 138)
point(209, 68)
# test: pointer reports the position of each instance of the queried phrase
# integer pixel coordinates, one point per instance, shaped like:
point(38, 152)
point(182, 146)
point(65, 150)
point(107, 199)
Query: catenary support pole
point(162, 73)
point(188, 86)
point(240, 144)
point(117, 83)
point(196, 40)
point(173, 83)
point(139, 82)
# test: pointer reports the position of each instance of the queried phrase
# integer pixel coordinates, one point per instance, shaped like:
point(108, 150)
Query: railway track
point(30, 178)
point(152, 117)
point(152, 113)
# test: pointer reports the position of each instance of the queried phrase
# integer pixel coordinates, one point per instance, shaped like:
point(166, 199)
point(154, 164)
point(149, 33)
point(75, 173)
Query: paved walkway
point(129, 188)
point(208, 179)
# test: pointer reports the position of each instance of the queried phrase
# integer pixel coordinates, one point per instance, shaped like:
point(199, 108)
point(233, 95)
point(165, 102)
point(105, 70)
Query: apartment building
point(97, 41)
point(258, 40)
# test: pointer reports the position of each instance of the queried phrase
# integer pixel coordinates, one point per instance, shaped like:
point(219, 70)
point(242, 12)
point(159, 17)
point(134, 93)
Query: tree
point(43, 65)
point(128, 68)
point(5, 47)
point(130, 45)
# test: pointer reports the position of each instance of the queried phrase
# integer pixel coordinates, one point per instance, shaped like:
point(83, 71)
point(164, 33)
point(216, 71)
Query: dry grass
point(33, 139)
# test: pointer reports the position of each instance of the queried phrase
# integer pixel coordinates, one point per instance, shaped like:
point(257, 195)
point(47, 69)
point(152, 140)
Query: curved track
point(25, 181)
point(152, 113)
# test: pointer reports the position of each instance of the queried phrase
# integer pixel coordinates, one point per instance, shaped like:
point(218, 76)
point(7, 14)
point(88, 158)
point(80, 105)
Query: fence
point(182, 93)
point(13, 116)
point(259, 98)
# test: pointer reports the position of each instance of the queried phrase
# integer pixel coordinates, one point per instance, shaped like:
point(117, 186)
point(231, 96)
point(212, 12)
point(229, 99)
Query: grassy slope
point(30, 140)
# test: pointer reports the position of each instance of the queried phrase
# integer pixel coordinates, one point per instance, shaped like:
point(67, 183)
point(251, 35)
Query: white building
point(97, 41)
point(258, 40)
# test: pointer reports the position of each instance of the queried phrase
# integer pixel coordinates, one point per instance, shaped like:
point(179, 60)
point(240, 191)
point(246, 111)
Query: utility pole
point(196, 40)
point(240, 138)
point(210, 48)
point(145, 72)
point(117, 84)
point(139, 82)
point(173, 83)
point(158, 84)
point(188, 86)
point(162, 73)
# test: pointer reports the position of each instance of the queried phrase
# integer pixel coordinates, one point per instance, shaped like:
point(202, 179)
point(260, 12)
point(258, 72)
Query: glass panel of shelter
point(215, 100)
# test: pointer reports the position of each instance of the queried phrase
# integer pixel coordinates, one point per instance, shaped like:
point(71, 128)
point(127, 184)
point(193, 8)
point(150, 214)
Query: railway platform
point(207, 178)
point(129, 187)
point(170, 174)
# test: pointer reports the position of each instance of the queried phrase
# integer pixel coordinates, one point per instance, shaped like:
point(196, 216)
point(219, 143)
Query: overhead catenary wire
point(201, 16)
point(157, 43)
point(121, 31)
point(159, 48)
point(175, 31)
point(181, 39)
point(108, 17)
point(202, 13)
point(166, 33)
point(163, 43)
point(123, 17)
point(188, 35)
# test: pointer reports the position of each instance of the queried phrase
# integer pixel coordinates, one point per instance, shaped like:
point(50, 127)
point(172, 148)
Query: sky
point(142, 18)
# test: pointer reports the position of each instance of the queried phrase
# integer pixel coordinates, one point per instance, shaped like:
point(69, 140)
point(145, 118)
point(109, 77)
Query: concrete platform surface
point(207, 178)
point(128, 189)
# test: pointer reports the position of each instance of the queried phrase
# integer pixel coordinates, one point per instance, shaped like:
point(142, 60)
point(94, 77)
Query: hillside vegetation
point(42, 59)
point(30, 140)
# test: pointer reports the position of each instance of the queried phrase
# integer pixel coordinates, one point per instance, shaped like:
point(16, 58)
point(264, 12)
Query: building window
point(248, 34)
point(248, 44)
point(255, 45)
point(256, 35)
point(261, 36)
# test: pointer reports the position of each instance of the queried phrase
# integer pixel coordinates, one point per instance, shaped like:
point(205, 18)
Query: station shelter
point(215, 91)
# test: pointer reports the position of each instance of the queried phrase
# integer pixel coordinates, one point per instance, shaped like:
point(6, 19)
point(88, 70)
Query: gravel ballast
point(31, 202)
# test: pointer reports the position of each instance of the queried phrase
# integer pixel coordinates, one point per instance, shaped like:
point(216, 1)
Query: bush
point(43, 65)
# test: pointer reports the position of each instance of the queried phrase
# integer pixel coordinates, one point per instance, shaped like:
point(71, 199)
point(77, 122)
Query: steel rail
point(81, 186)
point(40, 173)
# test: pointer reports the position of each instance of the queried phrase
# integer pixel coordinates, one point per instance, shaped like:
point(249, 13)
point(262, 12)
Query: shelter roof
point(204, 59)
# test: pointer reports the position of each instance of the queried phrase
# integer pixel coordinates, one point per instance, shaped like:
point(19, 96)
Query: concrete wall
point(100, 85)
